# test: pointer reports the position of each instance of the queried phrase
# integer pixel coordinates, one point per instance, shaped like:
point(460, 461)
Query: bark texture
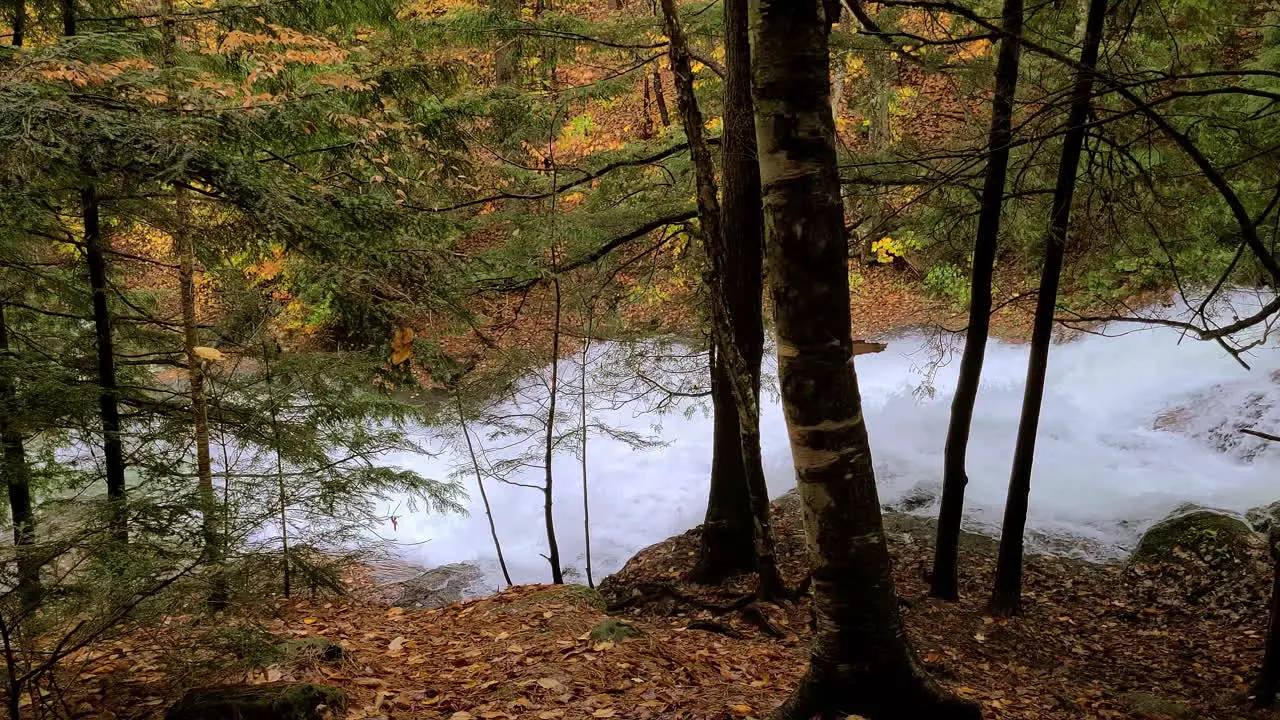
point(946, 582)
point(1265, 687)
point(860, 662)
point(19, 23)
point(108, 391)
point(732, 235)
point(1006, 597)
point(728, 531)
point(17, 479)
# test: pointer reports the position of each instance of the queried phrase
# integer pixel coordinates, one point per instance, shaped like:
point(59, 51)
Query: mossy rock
point(311, 648)
point(269, 701)
point(1212, 537)
point(576, 594)
point(1154, 707)
point(613, 630)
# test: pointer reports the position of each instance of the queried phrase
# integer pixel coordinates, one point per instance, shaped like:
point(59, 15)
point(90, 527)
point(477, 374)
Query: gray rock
point(1264, 517)
point(440, 586)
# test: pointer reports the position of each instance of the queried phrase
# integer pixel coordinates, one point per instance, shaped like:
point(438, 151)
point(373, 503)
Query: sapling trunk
point(484, 495)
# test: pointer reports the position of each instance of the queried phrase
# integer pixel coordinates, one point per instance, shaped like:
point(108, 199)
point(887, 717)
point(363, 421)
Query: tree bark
point(737, 326)
point(728, 530)
point(660, 97)
point(946, 583)
point(68, 17)
point(860, 662)
point(582, 417)
point(17, 477)
point(19, 22)
point(1006, 598)
point(1265, 687)
point(108, 397)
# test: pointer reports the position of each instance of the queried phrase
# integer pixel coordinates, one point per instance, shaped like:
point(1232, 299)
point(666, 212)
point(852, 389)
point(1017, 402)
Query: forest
point(333, 334)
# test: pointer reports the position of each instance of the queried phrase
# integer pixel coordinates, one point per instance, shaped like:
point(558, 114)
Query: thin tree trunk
point(17, 477)
point(946, 583)
point(660, 97)
point(860, 661)
point(281, 491)
point(582, 408)
point(553, 549)
point(506, 58)
point(1006, 598)
point(112, 450)
point(735, 271)
point(646, 125)
point(19, 22)
point(68, 17)
point(209, 509)
point(1265, 687)
point(484, 496)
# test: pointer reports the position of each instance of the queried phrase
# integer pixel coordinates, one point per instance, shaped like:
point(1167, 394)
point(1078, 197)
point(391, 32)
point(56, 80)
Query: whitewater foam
point(1103, 470)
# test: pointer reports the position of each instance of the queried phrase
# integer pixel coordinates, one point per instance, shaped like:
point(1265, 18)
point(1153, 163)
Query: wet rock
point(1263, 518)
point(917, 498)
point(268, 701)
point(440, 586)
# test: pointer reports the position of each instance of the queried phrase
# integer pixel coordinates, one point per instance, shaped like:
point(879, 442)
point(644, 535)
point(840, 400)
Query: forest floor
point(1094, 642)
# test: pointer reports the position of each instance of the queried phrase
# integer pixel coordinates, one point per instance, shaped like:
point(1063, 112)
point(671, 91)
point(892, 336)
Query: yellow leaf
point(207, 353)
point(309, 621)
point(401, 345)
point(604, 713)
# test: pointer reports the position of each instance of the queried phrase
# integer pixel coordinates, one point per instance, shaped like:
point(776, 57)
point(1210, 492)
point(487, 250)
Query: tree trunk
point(209, 510)
point(17, 477)
point(484, 496)
point(1006, 597)
point(946, 583)
point(68, 17)
point(112, 450)
point(660, 97)
point(860, 662)
point(728, 531)
point(1265, 687)
point(582, 409)
point(737, 326)
point(19, 22)
point(281, 491)
point(506, 58)
point(553, 549)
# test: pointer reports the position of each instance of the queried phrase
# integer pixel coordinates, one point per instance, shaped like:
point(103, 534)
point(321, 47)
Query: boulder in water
point(441, 586)
point(1263, 518)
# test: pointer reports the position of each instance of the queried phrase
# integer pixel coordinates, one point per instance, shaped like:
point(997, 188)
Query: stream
point(1133, 425)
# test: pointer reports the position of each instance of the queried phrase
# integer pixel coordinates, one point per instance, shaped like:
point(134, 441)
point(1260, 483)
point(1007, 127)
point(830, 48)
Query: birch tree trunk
point(861, 662)
point(1006, 597)
point(737, 326)
point(946, 582)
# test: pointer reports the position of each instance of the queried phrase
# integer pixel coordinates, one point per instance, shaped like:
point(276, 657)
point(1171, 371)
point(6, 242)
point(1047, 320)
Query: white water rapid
point(1103, 470)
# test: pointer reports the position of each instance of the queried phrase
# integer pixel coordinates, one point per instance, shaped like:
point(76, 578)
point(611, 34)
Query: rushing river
point(1132, 426)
